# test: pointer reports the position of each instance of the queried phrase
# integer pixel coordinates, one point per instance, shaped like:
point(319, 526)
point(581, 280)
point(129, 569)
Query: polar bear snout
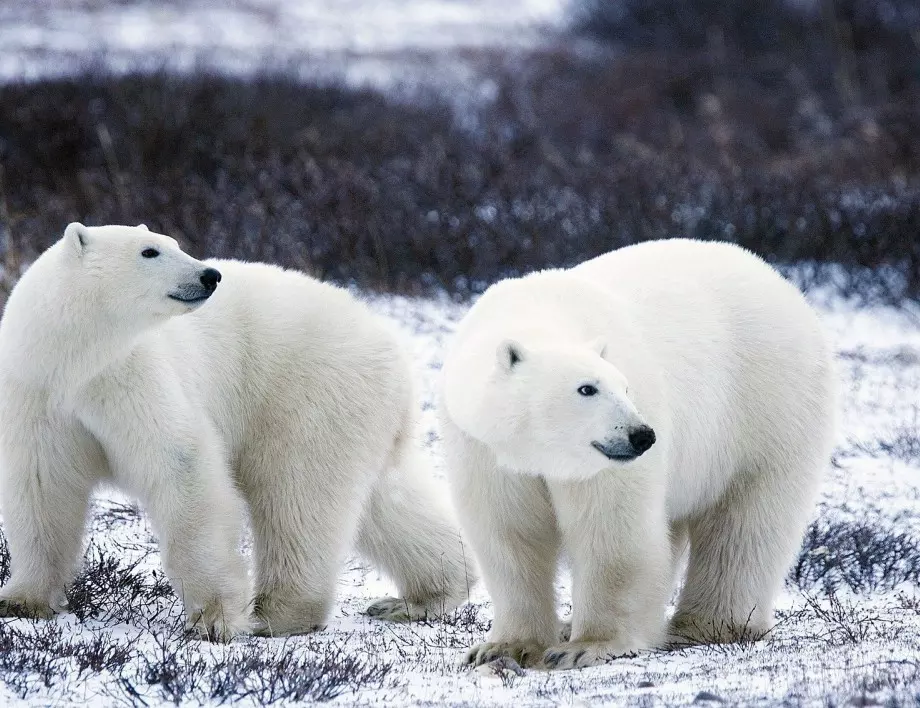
point(193, 293)
point(638, 440)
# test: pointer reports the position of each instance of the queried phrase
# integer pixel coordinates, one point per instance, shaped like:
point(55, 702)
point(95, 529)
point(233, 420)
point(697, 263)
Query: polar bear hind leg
point(740, 551)
point(306, 485)
point(408, 532)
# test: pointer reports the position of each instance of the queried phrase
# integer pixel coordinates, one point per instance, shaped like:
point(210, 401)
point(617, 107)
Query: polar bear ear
point(76, 235)
point(143, 226)
point(599, 345)
point(510, 353)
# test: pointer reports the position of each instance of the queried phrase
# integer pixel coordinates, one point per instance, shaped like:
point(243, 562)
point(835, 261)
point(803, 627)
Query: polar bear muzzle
point(639, 440)
point(200, 291)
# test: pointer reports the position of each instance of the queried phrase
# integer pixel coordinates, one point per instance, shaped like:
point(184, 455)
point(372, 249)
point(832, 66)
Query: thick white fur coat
point(279, 393)
point(723, 359)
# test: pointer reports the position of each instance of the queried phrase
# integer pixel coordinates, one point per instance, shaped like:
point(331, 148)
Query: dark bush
point(691, 24)
point(256, 671)
point(902, 444)
point(4, 558)
point(109, 587)
point(861, 556)
point(574, 157)
point(28, 658)
point(286, 675)
point(769, 25)
point(38, 657)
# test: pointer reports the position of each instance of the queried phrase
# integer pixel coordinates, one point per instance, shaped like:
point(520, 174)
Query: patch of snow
point(368, 41)
point(850, 647)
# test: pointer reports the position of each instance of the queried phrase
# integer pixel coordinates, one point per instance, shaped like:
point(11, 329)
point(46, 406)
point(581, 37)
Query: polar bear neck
point(53, 335)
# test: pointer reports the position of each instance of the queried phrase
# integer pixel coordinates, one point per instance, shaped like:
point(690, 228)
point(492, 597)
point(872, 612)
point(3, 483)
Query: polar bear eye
point(150, 253)
point(587, 390)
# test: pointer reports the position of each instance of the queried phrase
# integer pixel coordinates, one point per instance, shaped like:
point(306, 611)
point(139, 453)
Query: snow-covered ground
point(834, 647)
point(376, 41)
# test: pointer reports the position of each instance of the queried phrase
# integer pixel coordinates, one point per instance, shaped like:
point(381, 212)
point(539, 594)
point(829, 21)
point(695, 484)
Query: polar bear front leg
point(516, 541)
point(616, 536)
point(162, 447)
point(46, 476)
point(199, 518)
point(510, 523)
point(174, 462)
point(200, 545)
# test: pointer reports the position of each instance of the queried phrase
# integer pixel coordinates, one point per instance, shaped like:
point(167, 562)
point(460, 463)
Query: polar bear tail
point(408, 529)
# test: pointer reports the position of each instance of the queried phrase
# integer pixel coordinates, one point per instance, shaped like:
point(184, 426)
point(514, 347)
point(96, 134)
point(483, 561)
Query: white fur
point(279, 392)
point(710, 347)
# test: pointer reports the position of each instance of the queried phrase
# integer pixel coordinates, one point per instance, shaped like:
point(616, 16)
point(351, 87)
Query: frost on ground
point(849, 620)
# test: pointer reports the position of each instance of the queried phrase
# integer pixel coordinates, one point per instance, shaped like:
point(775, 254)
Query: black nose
point(210, 277)
point(641, 438)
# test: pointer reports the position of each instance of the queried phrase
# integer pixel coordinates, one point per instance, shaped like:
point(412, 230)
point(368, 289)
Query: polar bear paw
point(582, 654)
point(266, 628)
point(398, 609)
point(526, 654)
point(281, 614)
point(31, 608)
point(214, 623)
point(686, 630)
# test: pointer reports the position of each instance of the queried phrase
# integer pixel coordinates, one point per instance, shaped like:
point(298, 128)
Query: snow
point(366, 41)
point(865, 646)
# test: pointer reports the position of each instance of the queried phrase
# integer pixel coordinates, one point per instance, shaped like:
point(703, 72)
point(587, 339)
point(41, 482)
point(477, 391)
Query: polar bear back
point(745, 366)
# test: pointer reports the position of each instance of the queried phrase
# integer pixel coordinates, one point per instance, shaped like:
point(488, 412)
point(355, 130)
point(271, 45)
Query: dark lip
point(189, 300)
point(619, 457)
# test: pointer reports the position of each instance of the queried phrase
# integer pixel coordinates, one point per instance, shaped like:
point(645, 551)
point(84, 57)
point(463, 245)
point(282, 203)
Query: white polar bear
point(670, 391)
point(281, 391)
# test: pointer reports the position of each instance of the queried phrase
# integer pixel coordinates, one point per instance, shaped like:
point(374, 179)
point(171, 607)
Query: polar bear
point(667, 394)
point(122, 361)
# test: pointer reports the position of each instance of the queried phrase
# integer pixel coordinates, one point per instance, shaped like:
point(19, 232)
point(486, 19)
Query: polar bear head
point(134, 274)
point(559, 410)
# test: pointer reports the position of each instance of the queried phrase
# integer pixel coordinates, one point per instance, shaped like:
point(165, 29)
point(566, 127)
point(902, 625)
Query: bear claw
point(526, 654)
point(393, 609)
point(30, 609)
point(398, 609)
point(213, 625)
point(580, 655)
